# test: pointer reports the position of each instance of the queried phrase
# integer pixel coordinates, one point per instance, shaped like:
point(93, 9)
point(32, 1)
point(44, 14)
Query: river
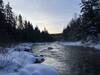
point(69, 60)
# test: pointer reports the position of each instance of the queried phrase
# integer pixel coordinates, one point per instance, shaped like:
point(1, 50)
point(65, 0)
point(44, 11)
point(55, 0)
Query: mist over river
point(69, 60)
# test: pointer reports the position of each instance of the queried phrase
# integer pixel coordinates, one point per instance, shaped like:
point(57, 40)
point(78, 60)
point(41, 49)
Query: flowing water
point(69, 60)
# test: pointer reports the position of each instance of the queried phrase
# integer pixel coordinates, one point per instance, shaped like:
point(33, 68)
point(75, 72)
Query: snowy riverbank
point(79, 43)
point(20, 61)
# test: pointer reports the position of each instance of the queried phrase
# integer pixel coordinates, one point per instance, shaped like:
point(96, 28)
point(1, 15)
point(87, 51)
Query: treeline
point(86, 26)
point(14, 28)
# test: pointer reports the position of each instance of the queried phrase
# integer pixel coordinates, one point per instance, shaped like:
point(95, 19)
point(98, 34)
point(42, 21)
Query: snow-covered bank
point(71, 43)
point(97, 46)
point(79, 43)
point(19, 61)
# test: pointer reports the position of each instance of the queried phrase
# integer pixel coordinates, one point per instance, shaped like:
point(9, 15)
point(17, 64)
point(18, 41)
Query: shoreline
point(80, 44)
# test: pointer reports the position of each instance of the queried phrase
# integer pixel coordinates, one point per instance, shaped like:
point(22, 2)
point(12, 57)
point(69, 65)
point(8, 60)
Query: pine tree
point(20, 24)
point(88, 18)
point(2, 18)
point(25, 24)
point(73, 30)
point(10, 18)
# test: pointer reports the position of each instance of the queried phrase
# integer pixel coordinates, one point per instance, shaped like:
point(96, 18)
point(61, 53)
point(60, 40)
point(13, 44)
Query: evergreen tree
point(14, 29)
point(9, 15)
point(25, 24)
point(87, 26)
point(73, 30)
point(2, 18)
point(29, 31)
point(88, 18)
point(37, 34)
point(10, 19)
point(20, 22)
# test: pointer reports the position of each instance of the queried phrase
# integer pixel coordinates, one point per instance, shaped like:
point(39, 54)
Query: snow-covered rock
point(24, 47)
point(18, 58)
point(21, 62)
point(97, 46)
point(38, 69)
point(23, 57)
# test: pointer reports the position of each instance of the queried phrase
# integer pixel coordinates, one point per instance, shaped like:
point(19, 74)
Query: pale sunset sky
point(52, 14)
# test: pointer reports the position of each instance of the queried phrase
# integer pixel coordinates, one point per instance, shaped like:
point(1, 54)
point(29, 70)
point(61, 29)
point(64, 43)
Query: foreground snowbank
point(38, 69)
point(18, 61)
point(79, 43)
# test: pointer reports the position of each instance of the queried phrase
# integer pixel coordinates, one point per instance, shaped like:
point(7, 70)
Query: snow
point(38, 69)
point(24, 46)
point(6, 73)
point(23, 57)
point(17, 61)
point(97, 46)
point(79, 43)
point(71, 43)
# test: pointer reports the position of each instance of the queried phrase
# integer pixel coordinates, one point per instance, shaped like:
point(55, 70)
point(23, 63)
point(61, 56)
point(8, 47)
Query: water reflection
point(70, 60)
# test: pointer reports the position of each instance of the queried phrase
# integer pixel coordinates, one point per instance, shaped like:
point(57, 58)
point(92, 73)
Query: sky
point(54, 15)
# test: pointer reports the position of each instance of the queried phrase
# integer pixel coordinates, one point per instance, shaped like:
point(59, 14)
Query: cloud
point(54, 13)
